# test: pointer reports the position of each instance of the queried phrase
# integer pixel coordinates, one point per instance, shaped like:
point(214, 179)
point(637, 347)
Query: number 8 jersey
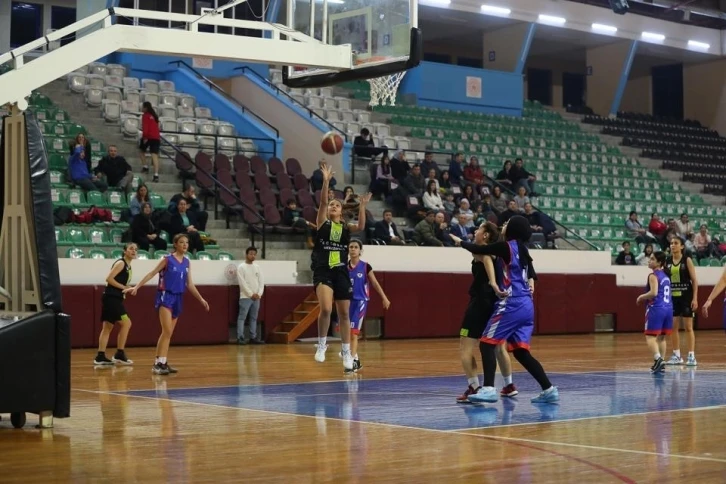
point(663, 299)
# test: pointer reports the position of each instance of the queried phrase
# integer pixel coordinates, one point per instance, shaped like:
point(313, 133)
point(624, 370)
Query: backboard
point(383, 35)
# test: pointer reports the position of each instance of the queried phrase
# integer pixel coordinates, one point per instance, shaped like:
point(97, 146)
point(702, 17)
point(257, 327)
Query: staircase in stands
point(295, 323)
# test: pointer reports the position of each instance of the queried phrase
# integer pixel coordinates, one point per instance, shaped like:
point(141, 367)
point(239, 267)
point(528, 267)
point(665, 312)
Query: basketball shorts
point(112, 309)
point(357, 315)
point(682, 306)
point(170, 301)
point(512, 322)
point(152, 145)
point(476, 316)
point(658, 321)
point(336, 278)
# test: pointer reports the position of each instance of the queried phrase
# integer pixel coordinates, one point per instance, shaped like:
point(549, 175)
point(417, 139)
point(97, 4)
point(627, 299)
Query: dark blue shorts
point(512, 322)
point(170, 301)
point(658, 321)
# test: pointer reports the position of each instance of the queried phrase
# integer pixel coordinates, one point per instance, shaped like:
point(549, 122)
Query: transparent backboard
point(383, 35)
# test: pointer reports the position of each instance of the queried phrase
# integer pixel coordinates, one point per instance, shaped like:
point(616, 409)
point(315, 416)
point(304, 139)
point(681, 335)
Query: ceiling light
point(495, 10)
point(652, 36)
point(552, 20)
point(698, 45)
point(604, 28)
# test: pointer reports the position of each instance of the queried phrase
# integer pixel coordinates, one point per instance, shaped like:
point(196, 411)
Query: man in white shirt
point(251, 287)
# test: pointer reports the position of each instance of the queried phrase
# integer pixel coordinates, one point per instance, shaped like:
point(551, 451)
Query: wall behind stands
point(573, 288)
point(445, 86)
point(156, 66)
point(704, 94)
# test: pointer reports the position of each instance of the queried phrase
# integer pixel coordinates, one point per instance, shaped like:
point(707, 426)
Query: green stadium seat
point(204, 255)
point(115, 198)
point(157, 201)
point(77, 237)
point(117, 254)
point(159, 254)
point(75, 253)
point(164, 235)
point(225, 256)
point(115, 235)
point(76, 198)
point(96, 199)
point(99, 237)
point(97, 254)
point(142, 254)
point(60, 238)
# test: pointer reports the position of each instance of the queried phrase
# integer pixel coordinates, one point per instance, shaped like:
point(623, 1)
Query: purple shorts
point(512, 321)
point(357, 315)
point(658, 321)
point(170, 301)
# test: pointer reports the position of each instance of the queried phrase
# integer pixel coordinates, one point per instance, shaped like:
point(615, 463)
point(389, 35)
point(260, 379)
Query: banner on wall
point(473, 87)
point(202, 62)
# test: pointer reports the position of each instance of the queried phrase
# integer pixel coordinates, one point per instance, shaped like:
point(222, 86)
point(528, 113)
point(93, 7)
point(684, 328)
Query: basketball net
point(383, 89)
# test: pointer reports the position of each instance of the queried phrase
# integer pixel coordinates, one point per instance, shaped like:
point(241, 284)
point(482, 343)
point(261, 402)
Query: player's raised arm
point(323, 208)
point(363, 201)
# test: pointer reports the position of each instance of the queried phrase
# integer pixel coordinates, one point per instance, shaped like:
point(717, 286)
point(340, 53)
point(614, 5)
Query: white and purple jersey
point(359, 280)
point(512, 277)
point(173, 278)
point(663, 298)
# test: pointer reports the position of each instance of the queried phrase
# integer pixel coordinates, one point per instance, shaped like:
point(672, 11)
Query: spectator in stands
point(184, 222)
point(510, 212)
point(150, 139)
point(703, 245)
point(400, 167)
point(117, 171)
point(671, 231)
point(316, 180)
point(445, 182)
point(636, 230)
point(657, 227)
point(141, 197)
point(535, 222)
point(456, 171)
point(521, 198)
point(429, 164)
point(431, 198)
point(499, 200)
point(465, 210)
point(503, 176)
point(200, 216)
point(442, 230)
point(625, 257)
point(363, 145)
point(449, 204)
point(386, 230)
point(425, 232)
point(470, 195)
point(81, 140)
point(431, 177)
point(642, 259)
point(384, 177)
point(292, 217)
point(459, 228)
point(486, 205)
point(473, 173)
point(521, 177)
point(685, 228)
point(80, 175)
point(144, 233)
point(414, 183)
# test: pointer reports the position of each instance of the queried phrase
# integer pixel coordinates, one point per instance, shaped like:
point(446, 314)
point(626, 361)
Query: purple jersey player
point(175, 276)
point(659, 310)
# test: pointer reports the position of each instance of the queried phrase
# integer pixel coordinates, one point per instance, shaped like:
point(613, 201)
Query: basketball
point(331, 143)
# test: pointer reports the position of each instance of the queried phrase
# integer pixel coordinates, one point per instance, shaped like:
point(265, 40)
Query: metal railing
point(505, 189)
point(220, 186)
point(236, 150)
point(213, 86)
point(311, 113)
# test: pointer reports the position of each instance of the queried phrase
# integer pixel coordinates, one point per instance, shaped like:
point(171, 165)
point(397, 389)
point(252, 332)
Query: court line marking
point(449, 432)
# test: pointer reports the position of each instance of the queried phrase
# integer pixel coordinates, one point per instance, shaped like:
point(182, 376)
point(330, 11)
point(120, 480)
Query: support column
point(86, 8)
point(505, 48)
point(608, 70)
point(5, 11)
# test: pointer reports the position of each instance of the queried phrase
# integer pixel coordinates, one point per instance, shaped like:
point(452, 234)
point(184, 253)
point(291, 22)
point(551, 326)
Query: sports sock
point(691, 354)
point(525, 358)
point(323, 341)
point(162, 360)
point(656, 356)
point(346, 347)
point(355, 356)
point(474, 382)
point(156, 360)
point(508, 380)
point(677, 353)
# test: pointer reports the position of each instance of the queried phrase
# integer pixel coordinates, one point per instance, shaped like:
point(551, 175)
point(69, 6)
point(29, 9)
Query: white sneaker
point(691, 361)
point(675, 360)
point(347, 361)
point(320, 353)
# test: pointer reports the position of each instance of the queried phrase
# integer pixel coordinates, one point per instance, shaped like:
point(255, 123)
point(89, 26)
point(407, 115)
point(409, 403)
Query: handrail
point(224, 93)
point(217, 136)
point(311, 113)
point(219, 184)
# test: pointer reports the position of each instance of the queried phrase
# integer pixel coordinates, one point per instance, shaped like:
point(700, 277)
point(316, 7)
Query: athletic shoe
point(509, 391)
point(658, 366)
point(257, 341)
point(144, 169)
point(691, 361)
point(347, 361)
point(160, 369)
point(356, 365)
point(484, 395)
point(675, 360)
point(101, 360)
point(464, 397)
point(156, 179)
point(170, 368)
point(121, 359)
point(551, 395)
point(320, 353)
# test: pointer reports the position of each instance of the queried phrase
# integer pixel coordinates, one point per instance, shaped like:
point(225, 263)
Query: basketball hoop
point(383, 89)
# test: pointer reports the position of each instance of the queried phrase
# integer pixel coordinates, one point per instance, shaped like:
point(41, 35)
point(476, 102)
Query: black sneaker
point(356, 365)
point(170, 368)
point(256, 341)
point(121, 359)
point(102, 360)
point(241, 341)
point(155, 179)
point(658, 366)
point(144, 169)
point(160, 369)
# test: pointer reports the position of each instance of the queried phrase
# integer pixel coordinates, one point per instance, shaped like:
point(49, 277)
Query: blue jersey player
point(659, 310)
point(175, 276)
point(360, 273)
point(513, 318)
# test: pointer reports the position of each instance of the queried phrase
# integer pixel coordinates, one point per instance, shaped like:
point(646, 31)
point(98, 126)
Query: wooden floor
point(272, 414)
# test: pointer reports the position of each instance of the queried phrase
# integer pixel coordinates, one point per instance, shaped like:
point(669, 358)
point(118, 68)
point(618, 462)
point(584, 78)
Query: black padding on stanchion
point(62, 408)
point(42, 209)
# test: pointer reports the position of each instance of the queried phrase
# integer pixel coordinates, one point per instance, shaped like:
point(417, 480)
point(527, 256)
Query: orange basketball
point(331, 143)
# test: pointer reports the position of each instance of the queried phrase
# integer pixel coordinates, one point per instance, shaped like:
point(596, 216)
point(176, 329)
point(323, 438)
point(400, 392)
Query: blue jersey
point(359, 280)
point(512, 278)
point(173, 278)
point(663, 298)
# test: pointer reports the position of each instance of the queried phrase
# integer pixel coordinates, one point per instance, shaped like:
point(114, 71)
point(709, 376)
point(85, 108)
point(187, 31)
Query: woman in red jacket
point(150, 139)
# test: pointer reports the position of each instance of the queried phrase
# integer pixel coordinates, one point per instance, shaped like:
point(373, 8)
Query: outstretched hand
point(364, 199)
point(327, 172)
point(130, 291)
point(456, 239)
point(705, 307)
